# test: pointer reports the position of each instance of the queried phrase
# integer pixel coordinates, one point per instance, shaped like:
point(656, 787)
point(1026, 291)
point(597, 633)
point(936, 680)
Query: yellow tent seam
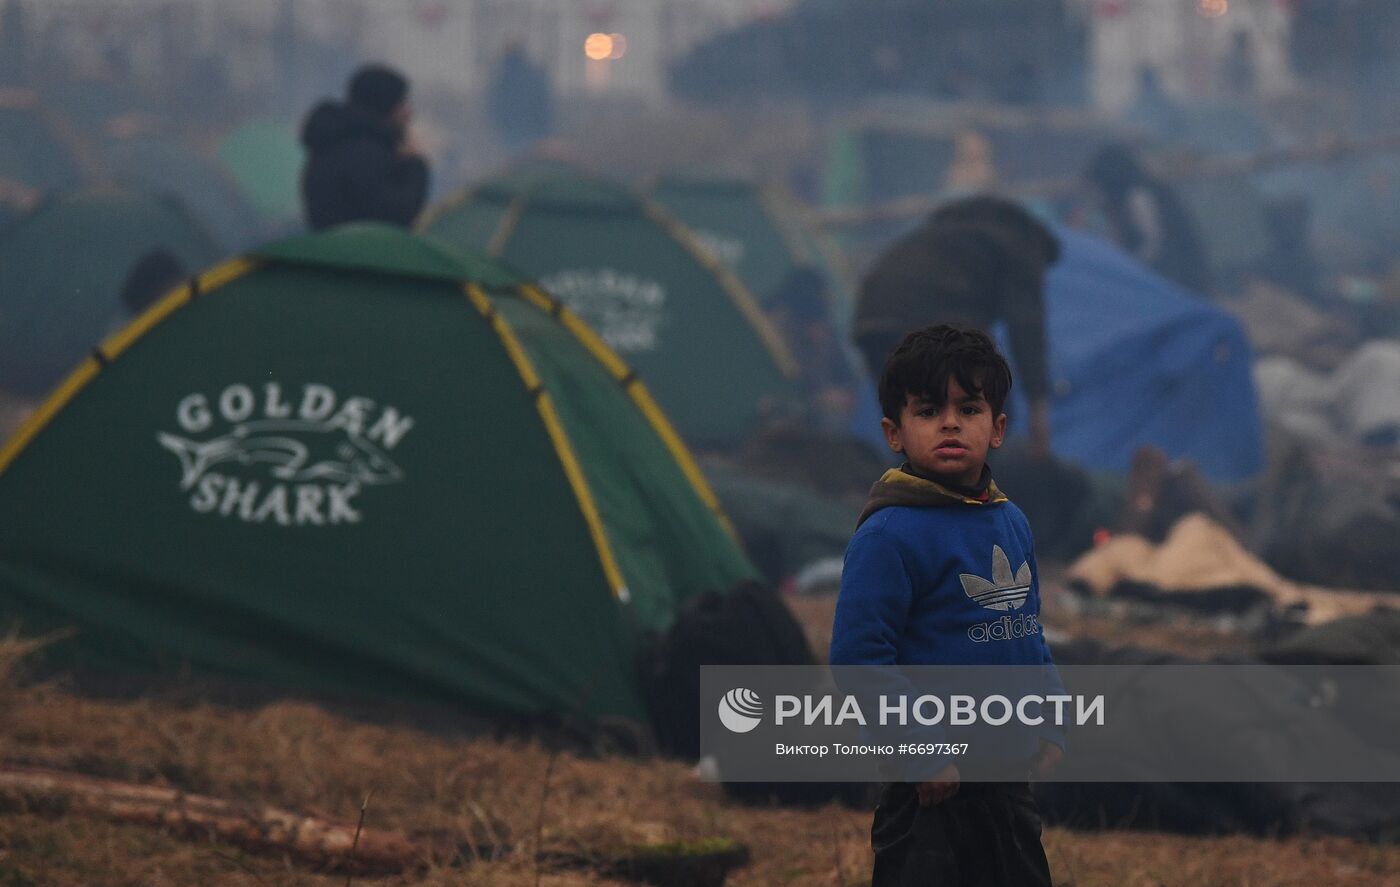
point(225, 273)
point(506, 226)
point(732, 286)
point(430, 215)
point(111, 349)
point(640, 395)
point(828, 252)
point(594, 343)
point(563, 447)
point(643, 399)
point(48, 409)
point(206, 282)
point(122, 338)
point(541, 301)
point(793, 219)
point(773, 203)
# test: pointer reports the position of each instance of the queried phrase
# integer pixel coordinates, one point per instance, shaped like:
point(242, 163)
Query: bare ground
point(297, 756)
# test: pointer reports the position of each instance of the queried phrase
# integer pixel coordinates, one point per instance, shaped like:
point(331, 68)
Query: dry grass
point(298, 756)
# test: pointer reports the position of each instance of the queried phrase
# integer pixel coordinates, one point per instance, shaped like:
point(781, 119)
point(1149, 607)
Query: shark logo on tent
point(288, 447)
point(1004, 591)
point(294, 464)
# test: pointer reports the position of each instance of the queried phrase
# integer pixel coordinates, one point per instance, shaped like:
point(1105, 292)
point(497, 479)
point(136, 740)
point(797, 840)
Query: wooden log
point(256, 828)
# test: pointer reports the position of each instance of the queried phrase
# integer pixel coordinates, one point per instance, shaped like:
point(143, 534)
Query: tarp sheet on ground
point(62, 269)
point(640, 278)
point(1201, 565)
point(358, 464)
point(1359, 401)
point(1274, 713)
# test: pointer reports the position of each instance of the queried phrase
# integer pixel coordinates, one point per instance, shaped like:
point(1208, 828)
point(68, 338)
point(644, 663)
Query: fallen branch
point(320, 843)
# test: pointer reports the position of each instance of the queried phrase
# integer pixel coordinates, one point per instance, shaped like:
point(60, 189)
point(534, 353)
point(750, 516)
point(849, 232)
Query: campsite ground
point(511, 793)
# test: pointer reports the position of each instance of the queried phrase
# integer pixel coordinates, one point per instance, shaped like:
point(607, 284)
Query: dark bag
point(748, 626)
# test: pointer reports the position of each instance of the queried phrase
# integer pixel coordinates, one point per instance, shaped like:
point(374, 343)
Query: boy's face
point(947, 443)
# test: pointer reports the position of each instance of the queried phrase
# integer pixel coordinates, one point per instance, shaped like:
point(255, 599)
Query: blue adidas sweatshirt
point(935, 577)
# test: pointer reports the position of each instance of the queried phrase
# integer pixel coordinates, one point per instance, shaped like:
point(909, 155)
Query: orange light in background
point(598, 47)
point(619, 47)
point(1213, 8)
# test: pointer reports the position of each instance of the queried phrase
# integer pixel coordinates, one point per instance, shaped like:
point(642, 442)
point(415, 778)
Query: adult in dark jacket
point(362, 165)
point(975, 261)
point(1148, 219)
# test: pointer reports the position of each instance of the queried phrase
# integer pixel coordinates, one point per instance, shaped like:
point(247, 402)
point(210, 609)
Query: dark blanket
point(1368, 811)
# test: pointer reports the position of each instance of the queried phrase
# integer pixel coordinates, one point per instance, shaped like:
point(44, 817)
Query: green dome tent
point(36, 156)
point(759, 233)
point(640, 279)
point(356, 463)
point(162, 165)
point(62, 268)
point(32, 153)
point(264, 158)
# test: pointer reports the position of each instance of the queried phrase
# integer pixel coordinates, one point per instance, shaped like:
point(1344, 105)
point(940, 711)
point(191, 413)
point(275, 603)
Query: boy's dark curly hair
point(926, 359)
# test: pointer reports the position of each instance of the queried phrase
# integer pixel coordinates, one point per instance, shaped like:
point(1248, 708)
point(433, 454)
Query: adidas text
point(1006, 628)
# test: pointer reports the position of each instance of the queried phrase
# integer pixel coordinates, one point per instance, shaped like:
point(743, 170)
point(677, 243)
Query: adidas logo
point(1004, 591)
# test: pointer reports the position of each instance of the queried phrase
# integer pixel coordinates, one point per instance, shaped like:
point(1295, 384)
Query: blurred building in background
point(630, 50)
point(1199, 49)
point(830, 53)
point(602, 48)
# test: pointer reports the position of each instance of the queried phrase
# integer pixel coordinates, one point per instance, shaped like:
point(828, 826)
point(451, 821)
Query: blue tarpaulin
point(1134, 360)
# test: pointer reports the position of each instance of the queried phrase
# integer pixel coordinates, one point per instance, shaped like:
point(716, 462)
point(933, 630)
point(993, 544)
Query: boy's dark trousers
point(986, 834)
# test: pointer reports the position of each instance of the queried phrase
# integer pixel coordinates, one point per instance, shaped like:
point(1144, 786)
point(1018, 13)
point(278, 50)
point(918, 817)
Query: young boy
point(939, 558)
